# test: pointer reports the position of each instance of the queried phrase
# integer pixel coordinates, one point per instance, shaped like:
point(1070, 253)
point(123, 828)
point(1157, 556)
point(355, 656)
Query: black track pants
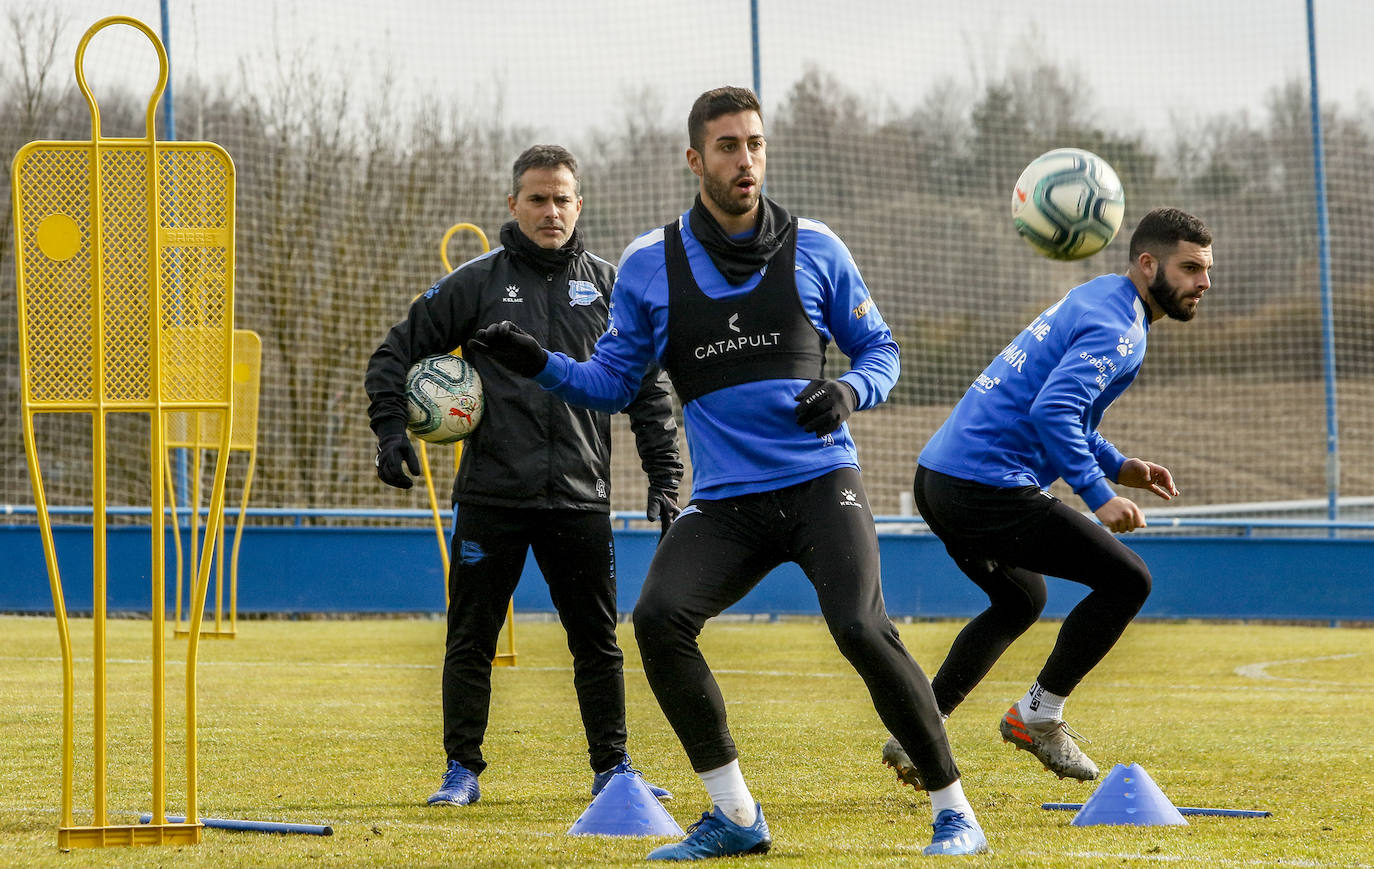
point(1006, 540)
point(717, 551)
point(573, 549)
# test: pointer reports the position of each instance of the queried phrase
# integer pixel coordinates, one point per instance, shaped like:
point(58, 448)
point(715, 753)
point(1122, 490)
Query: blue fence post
point(754, 39)
point(181, 485)
point(1333, 455)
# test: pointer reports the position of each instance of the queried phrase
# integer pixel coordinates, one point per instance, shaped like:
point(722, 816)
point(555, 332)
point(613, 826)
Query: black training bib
point(763, 334)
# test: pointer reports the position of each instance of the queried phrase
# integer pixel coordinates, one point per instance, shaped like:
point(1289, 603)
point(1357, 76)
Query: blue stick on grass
point(1182, 810)
point(248, 826)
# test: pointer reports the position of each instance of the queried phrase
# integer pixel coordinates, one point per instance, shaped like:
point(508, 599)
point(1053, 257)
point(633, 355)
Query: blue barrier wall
point(397, 570)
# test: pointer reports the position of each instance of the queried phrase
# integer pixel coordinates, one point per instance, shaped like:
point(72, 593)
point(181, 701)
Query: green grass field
point(337, 722)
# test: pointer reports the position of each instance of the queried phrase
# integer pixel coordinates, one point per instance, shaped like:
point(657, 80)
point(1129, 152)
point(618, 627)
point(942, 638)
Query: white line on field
point(1258, 671)
point(373, 665)
point(1252, 671)
point(383, 825)
point(362, 665)
point(1174, 858)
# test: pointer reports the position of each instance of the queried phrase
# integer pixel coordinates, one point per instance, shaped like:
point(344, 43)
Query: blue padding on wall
point(396, 570)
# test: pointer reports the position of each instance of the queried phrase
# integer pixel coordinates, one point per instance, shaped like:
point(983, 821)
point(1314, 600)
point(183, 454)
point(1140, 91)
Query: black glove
point(393, 451)
point(823, 405)
point(662, 507)
point(511, 346)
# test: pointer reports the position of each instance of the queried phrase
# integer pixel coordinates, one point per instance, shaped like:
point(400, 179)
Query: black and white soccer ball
point(444, 398)
point(1068, 204)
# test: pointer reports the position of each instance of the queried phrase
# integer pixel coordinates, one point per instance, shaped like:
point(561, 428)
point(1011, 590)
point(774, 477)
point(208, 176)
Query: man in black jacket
point(535, 474)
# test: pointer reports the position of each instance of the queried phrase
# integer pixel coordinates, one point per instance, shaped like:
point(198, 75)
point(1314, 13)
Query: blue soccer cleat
point(956, 835)
point(715, 835)
point(459, 787)
point(602, 779)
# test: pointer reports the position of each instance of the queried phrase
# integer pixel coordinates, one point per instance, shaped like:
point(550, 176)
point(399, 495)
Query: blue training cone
point(625, 807)
point(1128, 796)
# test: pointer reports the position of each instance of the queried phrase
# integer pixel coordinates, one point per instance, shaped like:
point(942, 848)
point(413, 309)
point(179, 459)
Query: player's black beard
point(1167, 298)
point(721, 195)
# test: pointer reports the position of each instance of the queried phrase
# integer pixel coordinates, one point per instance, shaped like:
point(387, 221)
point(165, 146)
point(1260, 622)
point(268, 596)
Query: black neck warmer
point(738, 260)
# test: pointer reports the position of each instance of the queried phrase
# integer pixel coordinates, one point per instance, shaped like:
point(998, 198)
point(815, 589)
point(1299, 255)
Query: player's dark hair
point(1160, 231)
point(544, 157)
point(713, 104)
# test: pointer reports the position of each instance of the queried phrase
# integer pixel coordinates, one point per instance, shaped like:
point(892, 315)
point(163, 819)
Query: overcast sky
point(563, 67)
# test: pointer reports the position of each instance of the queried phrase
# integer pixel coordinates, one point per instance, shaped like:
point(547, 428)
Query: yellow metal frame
point(198, 433)
point(124, 255)
point(506, 658)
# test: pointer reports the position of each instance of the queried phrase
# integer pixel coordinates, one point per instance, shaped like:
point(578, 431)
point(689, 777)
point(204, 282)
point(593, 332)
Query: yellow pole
point(506, 658)
point(98, 517)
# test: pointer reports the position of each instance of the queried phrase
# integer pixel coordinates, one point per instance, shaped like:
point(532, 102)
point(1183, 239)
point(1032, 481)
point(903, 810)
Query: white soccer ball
point(1068, 204)
point(444, 397)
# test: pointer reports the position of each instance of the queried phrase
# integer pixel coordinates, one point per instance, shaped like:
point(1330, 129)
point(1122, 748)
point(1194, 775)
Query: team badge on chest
point(582, 292)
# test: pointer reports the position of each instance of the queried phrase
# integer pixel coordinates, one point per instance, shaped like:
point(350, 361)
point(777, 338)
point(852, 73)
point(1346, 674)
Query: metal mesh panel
point(243, 427)
point(124, 274)
point(54, 180)
point(195, 185)
point(201, 430)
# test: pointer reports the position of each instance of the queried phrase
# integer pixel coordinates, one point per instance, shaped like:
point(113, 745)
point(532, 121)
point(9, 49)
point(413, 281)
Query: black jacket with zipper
point(531, 449)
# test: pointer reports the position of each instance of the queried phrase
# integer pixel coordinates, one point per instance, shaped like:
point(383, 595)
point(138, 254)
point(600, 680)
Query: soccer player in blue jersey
point(1030, 418)
point(737, 300)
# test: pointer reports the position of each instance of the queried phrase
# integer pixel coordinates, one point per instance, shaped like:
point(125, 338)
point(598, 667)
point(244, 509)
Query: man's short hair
point(544, 157)
point(713, 104)
point(1160, 231)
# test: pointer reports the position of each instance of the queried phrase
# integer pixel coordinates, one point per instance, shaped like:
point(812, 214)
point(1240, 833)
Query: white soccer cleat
point(1052, 743)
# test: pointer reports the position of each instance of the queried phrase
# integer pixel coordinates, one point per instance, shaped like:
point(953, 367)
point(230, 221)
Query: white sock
point(1041, 705)
point(950, 797)
point(729, 793)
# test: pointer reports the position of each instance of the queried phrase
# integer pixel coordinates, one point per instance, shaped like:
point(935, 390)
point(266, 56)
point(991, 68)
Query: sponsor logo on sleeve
point(1106, 368)
point(1014, 356)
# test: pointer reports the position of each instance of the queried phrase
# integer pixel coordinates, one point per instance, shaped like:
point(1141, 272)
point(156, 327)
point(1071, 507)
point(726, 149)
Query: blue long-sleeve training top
point(1031, 417)
point(742, 439)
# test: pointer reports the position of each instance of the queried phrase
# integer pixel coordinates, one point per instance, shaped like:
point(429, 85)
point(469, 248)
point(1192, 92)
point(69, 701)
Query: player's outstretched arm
point(1140, 474)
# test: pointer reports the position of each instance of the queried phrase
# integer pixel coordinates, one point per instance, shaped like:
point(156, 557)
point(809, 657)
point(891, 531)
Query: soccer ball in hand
point(1068, 204)
point(444, 397)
